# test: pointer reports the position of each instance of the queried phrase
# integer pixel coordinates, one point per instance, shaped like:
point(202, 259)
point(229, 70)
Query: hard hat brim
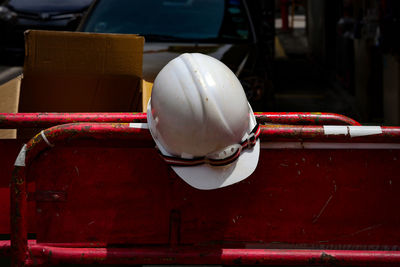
point(207, 177)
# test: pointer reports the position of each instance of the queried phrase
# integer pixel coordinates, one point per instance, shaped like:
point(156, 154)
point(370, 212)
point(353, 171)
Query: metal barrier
point(321, 195)
point(40, 120)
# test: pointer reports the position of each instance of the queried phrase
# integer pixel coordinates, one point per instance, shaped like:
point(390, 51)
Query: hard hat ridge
point(202, 81)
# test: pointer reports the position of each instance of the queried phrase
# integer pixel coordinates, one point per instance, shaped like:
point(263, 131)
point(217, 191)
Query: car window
point(164, 20)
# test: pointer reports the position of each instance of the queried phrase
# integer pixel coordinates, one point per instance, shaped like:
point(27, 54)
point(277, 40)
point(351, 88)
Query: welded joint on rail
point(46, 140)
point(20, 161)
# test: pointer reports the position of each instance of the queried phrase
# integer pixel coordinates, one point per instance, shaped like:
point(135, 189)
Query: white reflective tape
point(364, 130)
point(45, 139)
point(20, 161)
point(327, 145)
point(335, 130)
point(139, 125)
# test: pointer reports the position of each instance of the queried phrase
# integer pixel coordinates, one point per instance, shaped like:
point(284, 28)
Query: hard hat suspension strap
point(246, 144)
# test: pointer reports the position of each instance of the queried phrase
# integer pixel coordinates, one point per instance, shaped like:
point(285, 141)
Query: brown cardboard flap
point(80, 93)
point(146, 89)
point(81, 72)
point(83, 53)
point(9, 95)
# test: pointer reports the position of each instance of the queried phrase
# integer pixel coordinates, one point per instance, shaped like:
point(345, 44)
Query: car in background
point(228, 30)
point(17, 16)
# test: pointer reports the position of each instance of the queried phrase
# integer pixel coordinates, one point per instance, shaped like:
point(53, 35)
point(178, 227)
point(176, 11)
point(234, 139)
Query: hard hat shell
point(198, 107)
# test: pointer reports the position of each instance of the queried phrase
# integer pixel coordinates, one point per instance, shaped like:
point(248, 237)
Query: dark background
point(346, 58)
point(339, 56)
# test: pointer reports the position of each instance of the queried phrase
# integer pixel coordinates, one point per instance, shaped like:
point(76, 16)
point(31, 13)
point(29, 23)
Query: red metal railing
point(45, 120)
point(216, 256)
point(305, 118)
point(120, 131)
point(92, 255)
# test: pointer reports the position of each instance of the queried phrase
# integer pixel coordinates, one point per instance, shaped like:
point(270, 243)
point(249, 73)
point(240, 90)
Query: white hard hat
point(202, 124)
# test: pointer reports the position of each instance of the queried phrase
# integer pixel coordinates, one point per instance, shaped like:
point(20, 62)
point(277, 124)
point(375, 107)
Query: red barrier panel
point(105, 186)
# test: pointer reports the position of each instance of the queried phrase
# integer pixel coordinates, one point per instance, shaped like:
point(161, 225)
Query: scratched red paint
point(25, 120)
point(296, 199)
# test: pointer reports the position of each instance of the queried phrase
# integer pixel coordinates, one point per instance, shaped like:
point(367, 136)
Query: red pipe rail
point(71, 253)
point(120, 131)
point(45, 120)
point(58, 255)
point(304, 118)
point(4, 248)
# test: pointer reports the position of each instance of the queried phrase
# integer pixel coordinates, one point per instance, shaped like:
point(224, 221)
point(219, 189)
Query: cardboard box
point(9, 98)
point(80, 72)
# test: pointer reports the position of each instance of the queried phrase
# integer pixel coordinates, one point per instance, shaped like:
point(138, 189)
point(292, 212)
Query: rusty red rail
point(5, 247)
point(120, 131)
point(92, 255)
point(57, 255)
point(305, 118)
point(40, 120)
point(45, 120)
point(320, 133)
